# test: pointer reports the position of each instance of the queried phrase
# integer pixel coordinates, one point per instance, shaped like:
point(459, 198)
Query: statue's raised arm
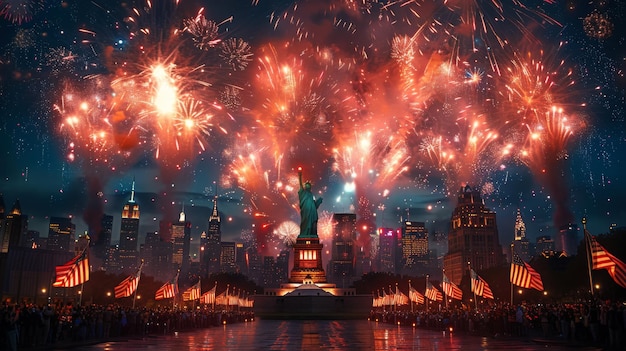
point(308, 209)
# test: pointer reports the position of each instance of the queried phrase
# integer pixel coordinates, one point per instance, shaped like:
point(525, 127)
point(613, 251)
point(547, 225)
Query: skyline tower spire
point(129, 233)
point(132, 192)
point(520, 226)
point(181, 217)
point(213, 244)
point(215, 214)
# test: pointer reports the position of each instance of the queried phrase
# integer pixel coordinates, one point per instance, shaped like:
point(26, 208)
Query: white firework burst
point(237, 53)
point(288, 232)
point(203, 31)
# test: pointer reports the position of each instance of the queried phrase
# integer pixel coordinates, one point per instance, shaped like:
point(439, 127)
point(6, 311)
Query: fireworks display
point(598, 25)
point(370, 97)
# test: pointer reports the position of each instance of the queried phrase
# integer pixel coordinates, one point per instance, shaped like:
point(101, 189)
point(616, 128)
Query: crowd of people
point(30, 326)
point(601, 323)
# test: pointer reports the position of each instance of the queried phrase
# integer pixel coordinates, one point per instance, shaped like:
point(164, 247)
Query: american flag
point(222, 299)
point(209, 296)
point(192, 293)
point(523, 275)
point(128, 286)
point(399, 298)
point(415, 295)
point(450, 289)
point(602, 259)
point(432, 293)
point(480, 286)
point(74, 272)
point(168, 290)
point(377, 301)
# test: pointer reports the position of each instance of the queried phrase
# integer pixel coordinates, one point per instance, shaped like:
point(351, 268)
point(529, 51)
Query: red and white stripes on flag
point(128, 286)
point(222, 299)
point(415, 295)
point(602, 259)
point(74, 272)
point(377, 301)
point(209, 296)
point(192, 293)
point(480, 286)
point(523, 275)
point(168, 290)
point(451, 289)
point(399, 298)
point(433, 293)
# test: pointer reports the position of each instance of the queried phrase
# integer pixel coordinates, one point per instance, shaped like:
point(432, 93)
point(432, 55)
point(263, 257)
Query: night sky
point(389, 107)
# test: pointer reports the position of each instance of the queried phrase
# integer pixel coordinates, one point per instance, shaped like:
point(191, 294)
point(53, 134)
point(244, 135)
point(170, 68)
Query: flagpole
point(512, 249)
point(175, 290)
point(215, 298)
point(135, 294)
point(444, 290)
point(227, 297)
point(588, 251)
point(472, 286)
point(82, 285)
point(80, 298)
point(426, 299)
point(410, 299)
point(395, 299)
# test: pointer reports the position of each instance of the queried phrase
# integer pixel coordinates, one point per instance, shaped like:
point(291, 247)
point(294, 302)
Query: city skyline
point(61, 51)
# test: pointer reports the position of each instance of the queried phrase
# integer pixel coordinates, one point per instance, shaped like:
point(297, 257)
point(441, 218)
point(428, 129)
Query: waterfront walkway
point(269, 335)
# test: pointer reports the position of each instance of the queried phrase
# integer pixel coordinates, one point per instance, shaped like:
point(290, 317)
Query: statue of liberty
point(308, 209)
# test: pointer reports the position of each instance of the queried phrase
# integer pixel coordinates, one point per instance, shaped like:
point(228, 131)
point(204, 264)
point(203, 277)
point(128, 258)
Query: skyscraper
point(520, 226)
point(181, 238)
point(521, 245)
point(2, 230)
point(343, 253)
point(388, 249)
point(228, 257)
point(102, 242)
point(157, 255)
point(213, 248)
point(545, 246)
point(473, 236)
point(129, 233)
point(414, 245)
point(240, 258)
point(13, 228)
point(61, 234)
point(567, 242)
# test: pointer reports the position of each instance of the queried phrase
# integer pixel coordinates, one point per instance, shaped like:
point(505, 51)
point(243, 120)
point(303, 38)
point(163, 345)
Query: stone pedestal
point(307, 261)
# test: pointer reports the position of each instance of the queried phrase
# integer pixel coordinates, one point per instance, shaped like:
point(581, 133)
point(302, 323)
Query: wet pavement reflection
point(321, 335)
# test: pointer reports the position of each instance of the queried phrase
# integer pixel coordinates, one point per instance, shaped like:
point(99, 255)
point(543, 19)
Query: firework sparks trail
point(485, 28)
point(20, 11)
point(377, 89)
point(534, 82)
point(163, 88)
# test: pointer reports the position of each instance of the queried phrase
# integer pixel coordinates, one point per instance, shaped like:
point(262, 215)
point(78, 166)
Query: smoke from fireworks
point(384, 93)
